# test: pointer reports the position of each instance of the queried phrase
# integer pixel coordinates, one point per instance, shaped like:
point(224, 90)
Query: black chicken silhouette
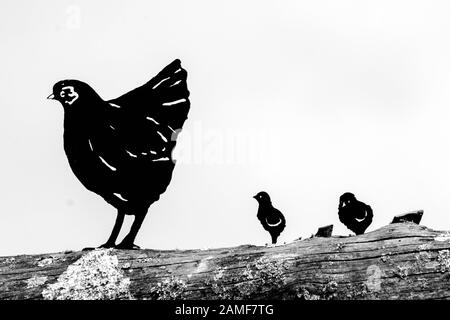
point(354, 214)
point(271, 218)
point(121, 149)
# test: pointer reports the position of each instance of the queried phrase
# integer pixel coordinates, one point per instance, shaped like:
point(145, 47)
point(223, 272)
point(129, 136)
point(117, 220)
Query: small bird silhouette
point(271, 218)
point(354, 214)
point(121, 149)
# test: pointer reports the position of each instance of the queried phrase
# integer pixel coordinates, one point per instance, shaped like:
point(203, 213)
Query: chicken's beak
point(254, 197)
point(51, 96)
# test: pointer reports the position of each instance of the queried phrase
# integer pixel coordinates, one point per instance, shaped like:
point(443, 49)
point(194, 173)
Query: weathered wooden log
point(398, 261)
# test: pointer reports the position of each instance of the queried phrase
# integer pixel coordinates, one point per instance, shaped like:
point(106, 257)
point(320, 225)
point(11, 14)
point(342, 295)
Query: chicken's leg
point(111, 243)
point(128, 241)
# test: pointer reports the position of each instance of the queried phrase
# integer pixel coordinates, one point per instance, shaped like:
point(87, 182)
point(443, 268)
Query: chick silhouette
point(271, 218)
point(354, 214)
point(121, 149)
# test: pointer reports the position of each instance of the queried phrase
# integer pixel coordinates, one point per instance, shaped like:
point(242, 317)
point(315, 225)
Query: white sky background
point(353, 95)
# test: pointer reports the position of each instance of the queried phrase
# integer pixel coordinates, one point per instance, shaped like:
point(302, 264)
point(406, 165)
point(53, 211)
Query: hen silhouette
point(121, 149)
point(271, 218)
point(354, 214)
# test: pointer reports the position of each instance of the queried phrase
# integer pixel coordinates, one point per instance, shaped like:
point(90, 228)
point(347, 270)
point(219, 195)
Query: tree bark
point(398, 261)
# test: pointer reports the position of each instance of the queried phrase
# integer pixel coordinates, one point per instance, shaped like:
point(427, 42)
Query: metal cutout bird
point(121, 149)
point(271, 218)
point(354, 214)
